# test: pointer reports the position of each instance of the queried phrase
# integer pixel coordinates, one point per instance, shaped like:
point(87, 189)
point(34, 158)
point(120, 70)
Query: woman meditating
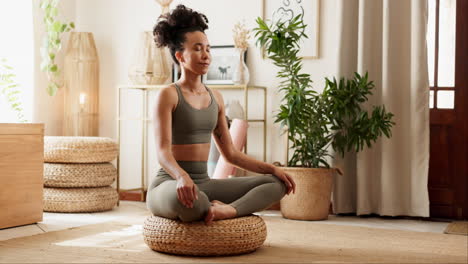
point(186, 114)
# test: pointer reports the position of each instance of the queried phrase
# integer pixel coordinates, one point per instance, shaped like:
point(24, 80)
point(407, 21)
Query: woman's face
point(196, 54)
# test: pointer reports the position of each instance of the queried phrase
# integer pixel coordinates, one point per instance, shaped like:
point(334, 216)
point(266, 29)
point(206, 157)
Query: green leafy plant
point(315, 121)
point(10, 89)
point(352, 126)
point(52, 43)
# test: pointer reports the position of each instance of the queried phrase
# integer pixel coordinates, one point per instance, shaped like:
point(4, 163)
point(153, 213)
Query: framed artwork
point(223, 61)
point(275, 10)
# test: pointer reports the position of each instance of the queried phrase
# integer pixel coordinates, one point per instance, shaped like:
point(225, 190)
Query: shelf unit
point(145, 89)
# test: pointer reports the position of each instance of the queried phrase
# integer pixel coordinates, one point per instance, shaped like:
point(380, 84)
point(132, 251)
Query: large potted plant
point(316, 122)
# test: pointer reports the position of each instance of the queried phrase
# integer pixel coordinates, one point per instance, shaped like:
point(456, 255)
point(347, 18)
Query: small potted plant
point(316, 121)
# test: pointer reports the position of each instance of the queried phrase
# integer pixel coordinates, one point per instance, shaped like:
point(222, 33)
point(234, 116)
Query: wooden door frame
point(449, 200)
point(461, 105)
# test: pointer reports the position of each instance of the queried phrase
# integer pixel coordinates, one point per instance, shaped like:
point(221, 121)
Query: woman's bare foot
point(218, 211)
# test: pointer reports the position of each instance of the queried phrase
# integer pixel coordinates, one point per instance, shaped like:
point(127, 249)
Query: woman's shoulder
point(168, 88)
point(168, 92)
point(168, 96)
point(218, 97)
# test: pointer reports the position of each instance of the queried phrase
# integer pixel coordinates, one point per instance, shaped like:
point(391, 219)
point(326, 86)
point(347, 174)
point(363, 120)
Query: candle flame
point(82, 98)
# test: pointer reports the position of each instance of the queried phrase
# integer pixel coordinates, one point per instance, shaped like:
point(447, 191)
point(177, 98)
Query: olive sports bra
point(191, 125)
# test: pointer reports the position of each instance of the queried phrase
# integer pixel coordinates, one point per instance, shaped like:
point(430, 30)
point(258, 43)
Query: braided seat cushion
point(224, 237)
point(75, 200)
point(79, 175)
point(79, 149)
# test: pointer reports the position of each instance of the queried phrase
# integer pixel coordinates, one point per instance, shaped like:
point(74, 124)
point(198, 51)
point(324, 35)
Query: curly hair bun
point(171, 27)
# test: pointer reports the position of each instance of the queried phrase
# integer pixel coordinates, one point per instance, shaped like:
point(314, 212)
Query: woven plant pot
point(79, 175)
point(311, 201)
point(79, 200)
point(224, 237)
point(79, 149)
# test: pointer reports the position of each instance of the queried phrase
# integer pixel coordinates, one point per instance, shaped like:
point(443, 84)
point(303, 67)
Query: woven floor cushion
point(79, 175)
point(79, 149)
point(224, 237)
point(79, 200)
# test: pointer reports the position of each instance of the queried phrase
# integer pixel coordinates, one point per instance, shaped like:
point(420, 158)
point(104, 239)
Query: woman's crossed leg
point(245, 194)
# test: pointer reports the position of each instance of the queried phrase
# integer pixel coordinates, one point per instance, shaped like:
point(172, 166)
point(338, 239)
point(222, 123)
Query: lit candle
point(82, 98)
point(82, 101)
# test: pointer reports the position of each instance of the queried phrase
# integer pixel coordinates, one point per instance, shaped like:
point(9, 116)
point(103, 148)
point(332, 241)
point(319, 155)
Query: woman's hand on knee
point(186, 191)
point(286, 178)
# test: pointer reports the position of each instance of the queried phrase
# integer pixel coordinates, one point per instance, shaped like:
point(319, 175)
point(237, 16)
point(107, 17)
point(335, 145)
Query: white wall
point(117, 23)
point(47, 109)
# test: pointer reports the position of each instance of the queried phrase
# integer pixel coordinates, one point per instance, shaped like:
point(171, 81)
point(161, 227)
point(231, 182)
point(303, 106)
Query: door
point(447, 55)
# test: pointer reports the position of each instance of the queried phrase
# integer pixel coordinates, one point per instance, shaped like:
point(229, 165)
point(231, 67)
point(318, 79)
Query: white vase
point(241, 74)
point(234, 110)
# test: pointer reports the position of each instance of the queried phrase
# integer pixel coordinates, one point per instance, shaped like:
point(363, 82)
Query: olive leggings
point(246, 194)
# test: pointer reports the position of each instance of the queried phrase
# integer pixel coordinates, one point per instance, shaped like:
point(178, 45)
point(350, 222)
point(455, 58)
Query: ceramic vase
point(234, 110)
point(241, 75)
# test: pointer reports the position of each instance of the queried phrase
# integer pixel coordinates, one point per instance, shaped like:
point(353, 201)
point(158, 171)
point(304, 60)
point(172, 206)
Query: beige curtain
point(387, 38)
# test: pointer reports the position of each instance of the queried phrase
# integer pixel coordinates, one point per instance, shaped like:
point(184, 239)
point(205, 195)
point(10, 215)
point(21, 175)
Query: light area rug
point(288, 241)
point(458, 228)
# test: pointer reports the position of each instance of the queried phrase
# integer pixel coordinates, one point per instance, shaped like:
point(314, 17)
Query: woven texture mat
point(288, 241)
point(457, 228)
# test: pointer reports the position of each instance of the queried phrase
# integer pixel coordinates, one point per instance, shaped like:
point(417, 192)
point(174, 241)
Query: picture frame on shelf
point(223, 62)
point(176, 73)
point(286, 10)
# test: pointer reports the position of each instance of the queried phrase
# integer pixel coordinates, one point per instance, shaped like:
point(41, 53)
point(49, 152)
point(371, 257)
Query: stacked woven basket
point(78, 174)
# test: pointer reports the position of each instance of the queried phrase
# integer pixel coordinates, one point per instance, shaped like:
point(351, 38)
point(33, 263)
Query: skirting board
point(132, 196)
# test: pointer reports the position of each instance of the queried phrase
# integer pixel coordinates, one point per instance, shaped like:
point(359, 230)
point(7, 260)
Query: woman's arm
point(165, 103)
point(166, 100)
point(239, 159)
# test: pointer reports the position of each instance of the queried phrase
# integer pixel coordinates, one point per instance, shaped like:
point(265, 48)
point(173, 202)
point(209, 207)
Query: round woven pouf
point(79, 200)
point(79, 149)
point(223, 237)
point(79, 175)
